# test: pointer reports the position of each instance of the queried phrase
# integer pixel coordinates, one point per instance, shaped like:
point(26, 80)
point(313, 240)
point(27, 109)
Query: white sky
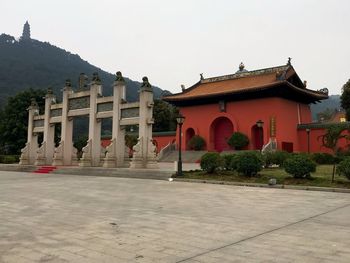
point(171, 42)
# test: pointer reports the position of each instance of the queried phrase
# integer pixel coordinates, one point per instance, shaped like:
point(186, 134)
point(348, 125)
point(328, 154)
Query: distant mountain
point(332, 103)
point(29, 63)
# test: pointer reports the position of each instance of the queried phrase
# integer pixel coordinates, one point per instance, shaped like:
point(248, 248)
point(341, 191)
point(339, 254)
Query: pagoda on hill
point(26, 32)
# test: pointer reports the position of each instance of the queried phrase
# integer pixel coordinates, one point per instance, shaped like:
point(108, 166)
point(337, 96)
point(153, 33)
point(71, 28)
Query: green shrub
point(227, 160)
point(277, 157)
point(300, 166)
point(210, 162)
point(230, 161)
point(238, 141)
point(323, 158)
point(344, 167)
point(9, 158)
point(248, 163)
point(196, 143)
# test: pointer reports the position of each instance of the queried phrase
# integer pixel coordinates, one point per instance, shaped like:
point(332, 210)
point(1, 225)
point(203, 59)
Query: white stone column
point(28, 153)
point(116, 151)
point(145, 151)
point(49, 129)
point(67, 127)
point(94, 141)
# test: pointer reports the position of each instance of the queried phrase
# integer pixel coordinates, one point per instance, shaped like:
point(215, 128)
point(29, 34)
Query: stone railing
point(167, 149)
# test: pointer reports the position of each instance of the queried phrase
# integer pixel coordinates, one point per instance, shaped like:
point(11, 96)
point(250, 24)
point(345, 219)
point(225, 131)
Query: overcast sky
point(171, 42)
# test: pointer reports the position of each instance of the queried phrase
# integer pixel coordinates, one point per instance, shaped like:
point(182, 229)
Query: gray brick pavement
point(65, 218)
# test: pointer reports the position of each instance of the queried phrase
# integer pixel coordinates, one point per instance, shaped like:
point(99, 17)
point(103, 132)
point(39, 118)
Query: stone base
point(152, 165)
point(75, 161)
point(40, 161)
point(139, 163)
point(85, 163)
point(24, 161)
point(57, 162)
point(109, 162)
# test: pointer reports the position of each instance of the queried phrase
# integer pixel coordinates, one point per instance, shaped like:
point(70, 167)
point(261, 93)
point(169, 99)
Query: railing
point(167, 149)
point(270, 146)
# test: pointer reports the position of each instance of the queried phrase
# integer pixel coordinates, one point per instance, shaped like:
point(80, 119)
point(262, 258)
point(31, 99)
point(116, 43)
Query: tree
point(330, 140)
point(14, 120)
point(325, 115)
point(345, 99)
point(238, 141)
point(164, 116)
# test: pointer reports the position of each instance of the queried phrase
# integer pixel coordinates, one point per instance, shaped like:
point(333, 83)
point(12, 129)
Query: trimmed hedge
point(277, 158)
point(238, 140)
point(196, 143)
point(344, 168)
point(323, 158)
point(248, 163)
point(9, 158)
point(299, 166)
point(211, 161)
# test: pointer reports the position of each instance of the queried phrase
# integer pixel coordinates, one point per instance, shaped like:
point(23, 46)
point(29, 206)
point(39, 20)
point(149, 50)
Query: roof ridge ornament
point(83, 78)
point(146, 85)
point(324, 91)
point(119, 77)
point(33, 102)
point(241, 66)
point(68, 83)
point(96, 78)
point(289, 62)
point(201, 76)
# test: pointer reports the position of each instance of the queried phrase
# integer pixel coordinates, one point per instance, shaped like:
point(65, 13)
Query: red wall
point(316, 141)
point(162, 141)
point(244, 115)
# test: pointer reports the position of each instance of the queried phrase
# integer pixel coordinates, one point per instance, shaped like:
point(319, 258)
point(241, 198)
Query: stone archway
point(221, 130)
point(189, 134)
point(257, 137)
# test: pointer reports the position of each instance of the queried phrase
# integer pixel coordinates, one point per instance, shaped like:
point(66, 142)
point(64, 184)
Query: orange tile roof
point(240, 82)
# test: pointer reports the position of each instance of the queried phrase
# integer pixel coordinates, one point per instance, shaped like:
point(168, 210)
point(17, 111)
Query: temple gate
point(91, 103)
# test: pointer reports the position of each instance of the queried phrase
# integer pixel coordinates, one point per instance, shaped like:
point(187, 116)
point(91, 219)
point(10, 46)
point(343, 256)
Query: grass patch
point(321, 178)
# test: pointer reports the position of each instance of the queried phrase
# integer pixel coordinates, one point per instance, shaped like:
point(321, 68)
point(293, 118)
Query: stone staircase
point(186, 156)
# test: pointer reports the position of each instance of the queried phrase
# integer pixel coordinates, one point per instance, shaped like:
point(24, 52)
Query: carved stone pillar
point(58, 154)
point(86, 159)
point(28, 153)
point(67, 126)
point(144, 150)
point(94, 123)
point(49, 129)
point(41, 155)
point(115, 151)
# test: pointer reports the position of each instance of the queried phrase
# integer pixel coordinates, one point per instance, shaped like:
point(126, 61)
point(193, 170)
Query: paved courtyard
point(65, 218)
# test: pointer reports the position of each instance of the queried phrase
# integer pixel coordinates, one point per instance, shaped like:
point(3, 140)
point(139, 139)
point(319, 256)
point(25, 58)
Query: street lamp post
point(308, 140)
point(180, 120)
point(260, 125)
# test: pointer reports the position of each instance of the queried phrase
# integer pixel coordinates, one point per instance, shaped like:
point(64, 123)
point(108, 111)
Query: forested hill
point(31, 63)
point(331, 104)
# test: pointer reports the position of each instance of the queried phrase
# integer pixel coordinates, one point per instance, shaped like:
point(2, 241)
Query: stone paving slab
point(65, 218)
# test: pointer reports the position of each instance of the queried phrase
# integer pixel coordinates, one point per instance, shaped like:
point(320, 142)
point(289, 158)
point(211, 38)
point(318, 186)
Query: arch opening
point(189, 134)
point(221, 130)
point(257, 137)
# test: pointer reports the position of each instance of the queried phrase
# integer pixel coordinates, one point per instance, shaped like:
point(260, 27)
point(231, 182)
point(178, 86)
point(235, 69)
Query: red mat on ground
point(45, 169)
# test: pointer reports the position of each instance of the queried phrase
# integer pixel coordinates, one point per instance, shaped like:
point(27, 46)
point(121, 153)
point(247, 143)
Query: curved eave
point(276, 90)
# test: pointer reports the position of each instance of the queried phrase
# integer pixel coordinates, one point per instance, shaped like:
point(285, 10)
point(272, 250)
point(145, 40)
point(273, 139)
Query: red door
point(223, 130)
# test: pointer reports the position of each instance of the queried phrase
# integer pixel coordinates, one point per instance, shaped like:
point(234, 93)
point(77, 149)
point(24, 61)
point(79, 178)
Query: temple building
point(268, 105)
